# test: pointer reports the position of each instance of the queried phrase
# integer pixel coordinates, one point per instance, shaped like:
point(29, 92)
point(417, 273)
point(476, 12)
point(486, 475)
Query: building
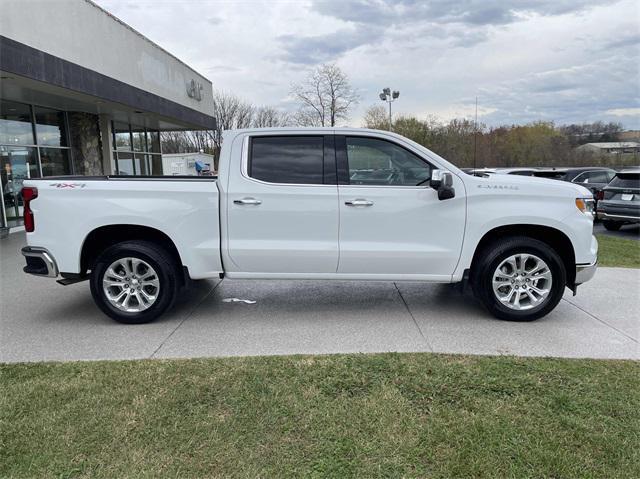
point(629, 135)
point(612, 147)
point(186, 163)
point(83, 93)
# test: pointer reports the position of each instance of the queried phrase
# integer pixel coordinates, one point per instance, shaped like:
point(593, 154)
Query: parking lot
point(626, 232)
point(41, 320)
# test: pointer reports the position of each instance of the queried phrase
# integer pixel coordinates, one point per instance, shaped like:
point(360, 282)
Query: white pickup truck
point(327, 203)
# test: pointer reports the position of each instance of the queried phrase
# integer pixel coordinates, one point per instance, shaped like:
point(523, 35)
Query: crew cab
point(327, 203)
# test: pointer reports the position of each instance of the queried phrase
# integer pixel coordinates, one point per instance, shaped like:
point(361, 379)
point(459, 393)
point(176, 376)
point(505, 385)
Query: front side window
point(287, 159)
point(382, 163)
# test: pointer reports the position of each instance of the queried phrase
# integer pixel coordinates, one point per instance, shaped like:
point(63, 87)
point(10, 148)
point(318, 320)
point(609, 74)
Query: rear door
point(391, 220)
point(282, 207)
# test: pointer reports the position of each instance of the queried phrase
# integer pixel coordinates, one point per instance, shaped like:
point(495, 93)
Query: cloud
point(624, 112)
point(323, 48)
point(472, 12)
point(563, 61)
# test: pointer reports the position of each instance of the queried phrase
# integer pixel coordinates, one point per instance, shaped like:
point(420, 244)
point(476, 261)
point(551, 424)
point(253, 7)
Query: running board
point(71, 278)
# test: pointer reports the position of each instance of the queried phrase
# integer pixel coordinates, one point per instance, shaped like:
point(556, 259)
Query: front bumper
point(39, 262)
point(584, 272)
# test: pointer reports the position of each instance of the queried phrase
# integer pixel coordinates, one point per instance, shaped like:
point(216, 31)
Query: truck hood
point(529, 185)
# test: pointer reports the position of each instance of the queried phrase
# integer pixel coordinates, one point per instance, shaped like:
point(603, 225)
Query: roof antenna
point(475, 137)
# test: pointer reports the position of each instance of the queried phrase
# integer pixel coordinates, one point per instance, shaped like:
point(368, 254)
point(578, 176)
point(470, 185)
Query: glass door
point(17, 163)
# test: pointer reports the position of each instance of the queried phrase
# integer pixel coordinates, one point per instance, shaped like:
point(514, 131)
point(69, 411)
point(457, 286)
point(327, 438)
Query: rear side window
point(287, 159)
point(626, 181)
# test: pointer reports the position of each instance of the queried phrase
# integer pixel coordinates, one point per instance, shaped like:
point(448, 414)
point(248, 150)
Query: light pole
point(389, 97)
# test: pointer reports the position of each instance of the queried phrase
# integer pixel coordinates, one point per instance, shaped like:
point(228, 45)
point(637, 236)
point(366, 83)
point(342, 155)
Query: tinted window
point(522, 173)
point(378, 162)
point(626, 181)
point(287, 159)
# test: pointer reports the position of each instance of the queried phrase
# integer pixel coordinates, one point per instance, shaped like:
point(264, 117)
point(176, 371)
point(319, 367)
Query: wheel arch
point(103, 237)
point(553, 237)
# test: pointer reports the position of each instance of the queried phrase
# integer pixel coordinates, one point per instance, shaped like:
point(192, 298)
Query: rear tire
point(611, 225)
point(519, 266)
point(134, 282)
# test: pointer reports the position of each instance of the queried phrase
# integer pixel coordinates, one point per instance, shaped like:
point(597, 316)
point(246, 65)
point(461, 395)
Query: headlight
point(585, 205)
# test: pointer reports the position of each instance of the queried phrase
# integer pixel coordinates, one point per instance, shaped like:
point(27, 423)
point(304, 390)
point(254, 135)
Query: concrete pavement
point(40, 320)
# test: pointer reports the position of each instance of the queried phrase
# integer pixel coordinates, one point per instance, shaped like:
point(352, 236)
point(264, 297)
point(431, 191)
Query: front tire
point(519, 279)
point(134, 282)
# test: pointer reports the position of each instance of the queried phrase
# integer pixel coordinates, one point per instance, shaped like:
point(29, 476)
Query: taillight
point(29, 193)
point(600, 195)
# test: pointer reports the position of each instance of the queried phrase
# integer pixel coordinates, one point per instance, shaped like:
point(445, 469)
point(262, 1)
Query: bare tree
point(230, 113)
point(326, 97)
point(268, 116)
point(376, 117)
point(187, 141)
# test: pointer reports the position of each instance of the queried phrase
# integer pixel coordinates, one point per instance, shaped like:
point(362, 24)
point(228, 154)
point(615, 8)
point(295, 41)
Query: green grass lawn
point(618, 252)
point(386, 415)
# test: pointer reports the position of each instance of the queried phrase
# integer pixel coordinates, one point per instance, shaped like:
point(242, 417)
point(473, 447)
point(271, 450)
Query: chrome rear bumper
point(39, 262)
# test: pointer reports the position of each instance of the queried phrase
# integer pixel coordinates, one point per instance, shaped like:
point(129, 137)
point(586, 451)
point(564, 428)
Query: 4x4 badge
point(68, 185)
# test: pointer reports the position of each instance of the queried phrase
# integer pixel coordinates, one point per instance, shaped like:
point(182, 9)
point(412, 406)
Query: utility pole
point(475, 137)
point(389, 97)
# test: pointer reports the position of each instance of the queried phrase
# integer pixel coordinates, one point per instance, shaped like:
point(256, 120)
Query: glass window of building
point(137, 150)
point(55, 161)
point(139, 140)
point(34, 142)
point(153, 141)
point(16, 126)
point(124, 162)
point(122, 136)
point(51, 127)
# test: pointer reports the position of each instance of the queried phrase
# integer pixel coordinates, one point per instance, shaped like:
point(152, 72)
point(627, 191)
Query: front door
point(283, 207)
point(391, 220)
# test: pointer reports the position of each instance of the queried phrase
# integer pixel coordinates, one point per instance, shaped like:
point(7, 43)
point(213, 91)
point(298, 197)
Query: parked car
point(593, 178)
point(521, 171)
point(619, 201)
point(300, 203)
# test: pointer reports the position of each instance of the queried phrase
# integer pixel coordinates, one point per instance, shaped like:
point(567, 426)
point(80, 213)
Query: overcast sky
point(565, 61)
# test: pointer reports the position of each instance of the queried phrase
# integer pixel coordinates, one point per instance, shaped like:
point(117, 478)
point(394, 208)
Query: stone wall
point(85, 143)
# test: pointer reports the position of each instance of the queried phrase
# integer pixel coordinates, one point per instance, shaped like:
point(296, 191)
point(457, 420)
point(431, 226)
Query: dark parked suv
point(619, 201)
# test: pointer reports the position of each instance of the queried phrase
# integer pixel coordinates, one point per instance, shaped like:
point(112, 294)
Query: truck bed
point(183, 208)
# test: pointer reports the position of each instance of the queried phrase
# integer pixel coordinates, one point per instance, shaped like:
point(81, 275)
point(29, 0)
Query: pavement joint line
point(412, 317)
point(164, 341)
point(601, 321)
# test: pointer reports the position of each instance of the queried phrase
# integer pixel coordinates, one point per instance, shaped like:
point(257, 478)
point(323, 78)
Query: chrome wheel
point(131, 285)
point(522, 281)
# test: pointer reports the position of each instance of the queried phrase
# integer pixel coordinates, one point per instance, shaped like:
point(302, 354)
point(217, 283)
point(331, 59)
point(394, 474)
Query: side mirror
point(442, 182)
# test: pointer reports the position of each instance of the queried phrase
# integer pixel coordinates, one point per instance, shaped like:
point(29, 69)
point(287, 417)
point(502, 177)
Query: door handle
point(358, 202)
point(247, 201)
